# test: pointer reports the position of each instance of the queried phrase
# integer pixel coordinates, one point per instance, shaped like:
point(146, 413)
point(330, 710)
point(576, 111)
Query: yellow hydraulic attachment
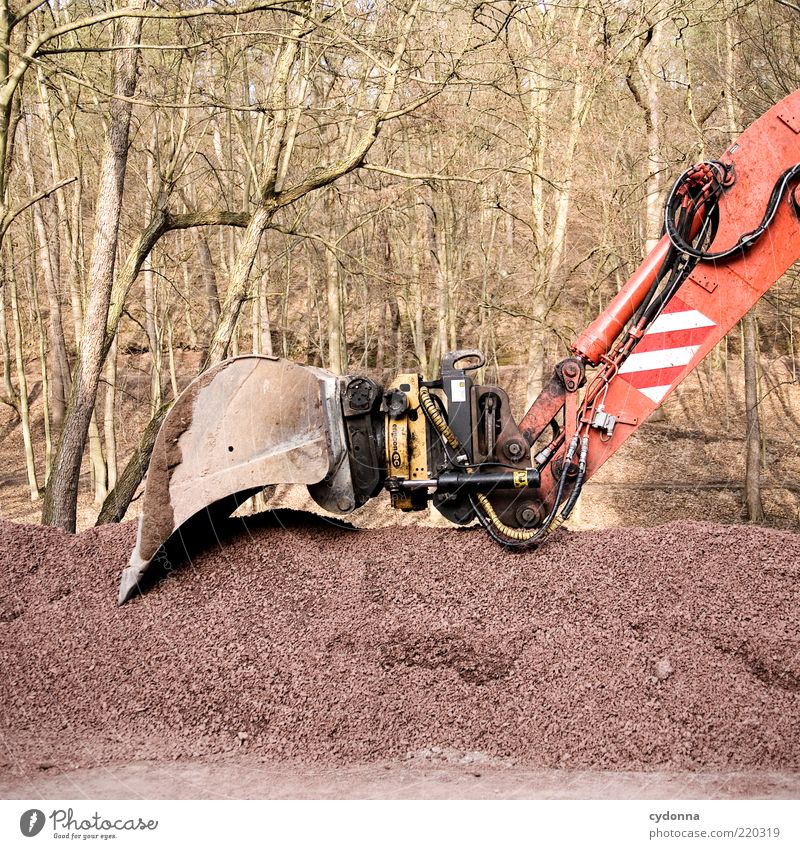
point(406, 441)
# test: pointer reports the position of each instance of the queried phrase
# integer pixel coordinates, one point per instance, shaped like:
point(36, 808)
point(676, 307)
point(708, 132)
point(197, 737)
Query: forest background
point(360, 186)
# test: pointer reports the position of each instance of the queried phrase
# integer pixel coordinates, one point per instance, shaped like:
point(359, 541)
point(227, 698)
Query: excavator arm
point(731, 229)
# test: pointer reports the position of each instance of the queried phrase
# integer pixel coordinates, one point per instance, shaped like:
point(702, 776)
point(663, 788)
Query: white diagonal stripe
point(655, 393)
point(651, 360)
point(687, 320)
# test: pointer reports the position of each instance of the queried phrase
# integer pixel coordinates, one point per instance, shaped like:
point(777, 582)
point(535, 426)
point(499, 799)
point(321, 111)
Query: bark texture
point(60, 502)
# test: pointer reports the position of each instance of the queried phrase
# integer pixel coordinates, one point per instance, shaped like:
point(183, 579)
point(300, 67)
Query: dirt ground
point(624, 661)
point(248, 779)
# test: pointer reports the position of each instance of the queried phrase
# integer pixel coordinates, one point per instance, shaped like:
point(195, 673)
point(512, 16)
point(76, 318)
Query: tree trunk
point(380, 347)
point(22, 380)
point(173, 373)
point(9, 396)
point(485, 314)
point(60, 503)
point(239, 287)
point(550, 241)
point(416, 301)
point(266, 323)
point(261, 329)
point(333, 292)
point(97, 460)
point(649, 102)
point(188, 287)
point(57, 347)
point(119, 498)
point(438, 249)
point(150, 288)
point(48, 437)
point(210, 289)
point(255, 315)
point(109, 432)
point(397, 332)
point(752, 481)
point(153, 336)
point(752, 438)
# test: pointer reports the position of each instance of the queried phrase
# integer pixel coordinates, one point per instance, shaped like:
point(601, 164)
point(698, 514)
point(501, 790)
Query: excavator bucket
point(247, 423)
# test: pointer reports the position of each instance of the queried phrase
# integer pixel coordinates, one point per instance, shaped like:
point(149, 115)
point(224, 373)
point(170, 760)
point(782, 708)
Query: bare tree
point(271, 194)
point(750, 352)
point(60, 502)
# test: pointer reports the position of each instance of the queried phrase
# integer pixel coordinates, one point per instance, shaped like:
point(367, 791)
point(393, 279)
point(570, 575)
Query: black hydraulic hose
point(647, 309)
point(678, 264)
point(545, 528)
point(745, 241)
point(576, 490)
point(678, 275)
point(666, 267)
point(681, 265)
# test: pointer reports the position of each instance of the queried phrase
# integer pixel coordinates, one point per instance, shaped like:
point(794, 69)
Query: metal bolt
point(528, 513)
point(344, 504)
point(514, 450)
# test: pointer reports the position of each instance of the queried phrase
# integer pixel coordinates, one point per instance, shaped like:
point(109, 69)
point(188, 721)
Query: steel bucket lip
point(244, 424)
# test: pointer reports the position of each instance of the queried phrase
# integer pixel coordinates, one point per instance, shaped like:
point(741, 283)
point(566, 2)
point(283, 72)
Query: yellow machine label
point(406, 440)
point(398, 446)
point(520, 478)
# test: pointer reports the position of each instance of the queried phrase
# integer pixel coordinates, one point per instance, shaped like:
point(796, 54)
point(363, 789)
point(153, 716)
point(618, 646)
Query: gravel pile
point(676, 647)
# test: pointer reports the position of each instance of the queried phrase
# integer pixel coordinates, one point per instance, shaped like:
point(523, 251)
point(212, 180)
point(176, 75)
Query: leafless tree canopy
point(358, 185)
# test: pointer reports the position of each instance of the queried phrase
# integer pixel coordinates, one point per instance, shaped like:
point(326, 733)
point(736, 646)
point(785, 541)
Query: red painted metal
point(596, 340)
point(599, 336)
point(722, 292)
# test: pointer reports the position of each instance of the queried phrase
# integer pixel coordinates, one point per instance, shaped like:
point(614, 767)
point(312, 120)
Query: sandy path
point(252, 780)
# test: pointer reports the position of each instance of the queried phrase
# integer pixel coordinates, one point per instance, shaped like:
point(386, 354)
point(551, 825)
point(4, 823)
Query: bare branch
point(32, 51)
point(424, 177)
point(161, 222)
point(17, 17)
point(27, 204)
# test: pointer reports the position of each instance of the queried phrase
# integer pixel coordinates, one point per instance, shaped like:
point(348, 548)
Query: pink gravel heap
point(676, 647)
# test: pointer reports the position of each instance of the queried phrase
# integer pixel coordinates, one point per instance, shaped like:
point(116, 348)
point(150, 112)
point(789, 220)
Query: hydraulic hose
point(513, 537)
point(576, 490)
point(487, 516)
point(436, 418)
point(743, 242)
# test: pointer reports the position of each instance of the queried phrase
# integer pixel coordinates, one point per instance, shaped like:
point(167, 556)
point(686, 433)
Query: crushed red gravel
point(676, 647)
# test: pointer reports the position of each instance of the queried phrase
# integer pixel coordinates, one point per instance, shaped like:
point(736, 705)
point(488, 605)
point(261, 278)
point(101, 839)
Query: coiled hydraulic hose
point(487, 516)
point(436, 418)
point(744, 241)
point(550, 524)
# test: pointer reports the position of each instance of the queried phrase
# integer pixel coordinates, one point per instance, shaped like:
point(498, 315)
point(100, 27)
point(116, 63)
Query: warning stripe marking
point(656, 393)
point(643, 379)
point(659, 359)
point(662, 354)
point(675, 339)
point(685, 320)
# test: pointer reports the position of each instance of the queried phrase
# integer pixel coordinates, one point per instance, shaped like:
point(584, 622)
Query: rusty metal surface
point(543, 410)
point(334, 492)
point(260, 421)
point(248, 422)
